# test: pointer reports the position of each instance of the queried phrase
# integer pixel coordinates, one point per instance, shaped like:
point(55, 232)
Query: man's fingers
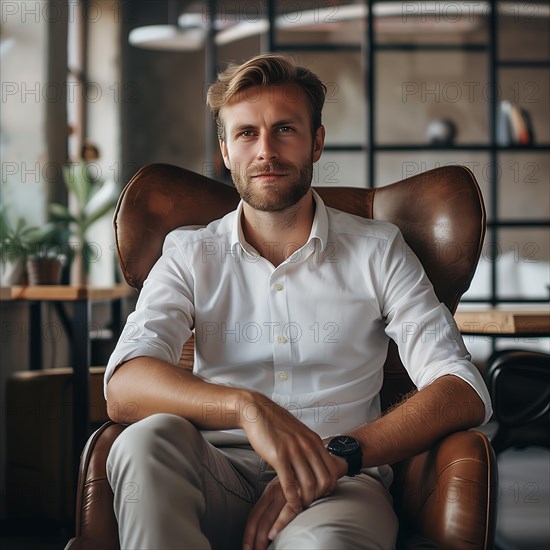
point(306, 482)
point(284, 518)
point(253, 525)
point(289, 485)
point(303, 477)
point(326, 474)
point(263, 516)
point(314, 471)
point(292, 493)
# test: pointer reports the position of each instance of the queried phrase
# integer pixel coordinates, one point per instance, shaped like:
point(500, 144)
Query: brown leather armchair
point(447, 494)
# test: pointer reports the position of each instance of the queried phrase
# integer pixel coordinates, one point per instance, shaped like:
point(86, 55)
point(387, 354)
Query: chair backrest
point(440, 213)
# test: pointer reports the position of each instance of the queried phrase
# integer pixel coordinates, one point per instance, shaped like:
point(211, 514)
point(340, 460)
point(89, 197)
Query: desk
point(78, 329)
point(505, 321)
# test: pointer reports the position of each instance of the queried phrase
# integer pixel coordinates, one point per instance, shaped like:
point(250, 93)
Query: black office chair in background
point(519, 384)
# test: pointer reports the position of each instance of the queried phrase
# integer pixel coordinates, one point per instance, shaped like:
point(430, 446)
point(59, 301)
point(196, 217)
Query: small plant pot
point(44, 271)
point(12, 272)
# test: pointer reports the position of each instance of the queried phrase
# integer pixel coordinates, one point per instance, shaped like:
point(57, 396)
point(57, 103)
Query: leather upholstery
point(96, 526)
point(446, 494)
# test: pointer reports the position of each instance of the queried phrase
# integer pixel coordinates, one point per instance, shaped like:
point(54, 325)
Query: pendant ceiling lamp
point(188, 31)
point(185, 33)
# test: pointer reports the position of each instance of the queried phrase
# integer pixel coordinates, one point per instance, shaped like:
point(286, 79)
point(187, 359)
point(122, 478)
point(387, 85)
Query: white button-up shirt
point(312, 333)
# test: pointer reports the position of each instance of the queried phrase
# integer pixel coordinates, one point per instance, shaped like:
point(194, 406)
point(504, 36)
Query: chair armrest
point(96, 526)
point(449, 493)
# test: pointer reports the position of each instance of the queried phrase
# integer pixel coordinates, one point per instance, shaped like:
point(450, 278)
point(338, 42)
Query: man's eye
point(285, 129)
point(245, 133)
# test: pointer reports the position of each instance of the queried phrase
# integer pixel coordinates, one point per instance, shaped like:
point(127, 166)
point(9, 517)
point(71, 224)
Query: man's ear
point(318, 143)
point(225, 154)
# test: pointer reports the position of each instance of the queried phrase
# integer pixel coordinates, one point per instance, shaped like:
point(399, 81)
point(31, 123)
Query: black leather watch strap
point(355, 462)
point(349, 449)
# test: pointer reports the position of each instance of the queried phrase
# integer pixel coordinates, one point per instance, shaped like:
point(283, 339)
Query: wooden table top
point(532, 319)
point(64, 293)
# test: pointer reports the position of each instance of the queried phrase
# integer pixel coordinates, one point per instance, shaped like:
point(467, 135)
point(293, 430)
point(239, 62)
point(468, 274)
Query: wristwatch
point(348, 448)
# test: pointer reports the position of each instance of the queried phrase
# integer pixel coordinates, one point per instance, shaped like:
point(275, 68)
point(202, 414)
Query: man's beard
point(275, 197)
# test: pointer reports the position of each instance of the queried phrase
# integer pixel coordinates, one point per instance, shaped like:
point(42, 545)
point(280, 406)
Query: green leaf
point(45, 234)
point(97, 214)
point(88, 252)
point(70, 173)
point(61, 213)
point(78, 182)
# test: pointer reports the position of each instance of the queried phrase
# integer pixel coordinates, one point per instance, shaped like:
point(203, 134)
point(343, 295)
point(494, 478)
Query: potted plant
point(90, 199)
point(11, 248)
point(44, 256)
point(20, 243)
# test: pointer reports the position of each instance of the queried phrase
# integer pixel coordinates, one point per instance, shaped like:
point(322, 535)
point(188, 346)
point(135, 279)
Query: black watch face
point(344, 445)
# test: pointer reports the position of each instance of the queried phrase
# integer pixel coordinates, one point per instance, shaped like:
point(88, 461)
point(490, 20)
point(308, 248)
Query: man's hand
point(272, 513)
point(306, 471)
point(269, 516)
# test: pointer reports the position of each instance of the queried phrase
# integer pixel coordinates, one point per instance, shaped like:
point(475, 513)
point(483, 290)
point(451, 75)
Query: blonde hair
point(264, 70)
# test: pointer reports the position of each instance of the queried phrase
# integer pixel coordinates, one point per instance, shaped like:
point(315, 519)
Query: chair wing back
point(440, 213)
point(158, 199)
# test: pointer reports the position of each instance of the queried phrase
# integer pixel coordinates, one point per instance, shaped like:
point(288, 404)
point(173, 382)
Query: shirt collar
point(319, 228)
point(237, 237)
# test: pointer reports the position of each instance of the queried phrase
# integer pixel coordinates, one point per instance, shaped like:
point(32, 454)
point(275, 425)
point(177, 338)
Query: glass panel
point(522, 262)
point(414, 90)
point(480, 287)
point(523, 188)
point(340, 169)
point(524, 30)
point(344, 112)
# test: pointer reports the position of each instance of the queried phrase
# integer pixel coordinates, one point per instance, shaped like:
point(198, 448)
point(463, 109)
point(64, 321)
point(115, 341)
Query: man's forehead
point(289, 98)
point(288, 90)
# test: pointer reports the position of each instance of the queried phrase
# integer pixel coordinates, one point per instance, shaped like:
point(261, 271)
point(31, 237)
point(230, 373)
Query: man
point(292, 304)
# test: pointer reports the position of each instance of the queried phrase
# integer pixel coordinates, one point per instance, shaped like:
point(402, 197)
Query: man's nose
point(267, 149)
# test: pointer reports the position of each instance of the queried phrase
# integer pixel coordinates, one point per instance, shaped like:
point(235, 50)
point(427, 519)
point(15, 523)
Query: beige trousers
point(173, 489)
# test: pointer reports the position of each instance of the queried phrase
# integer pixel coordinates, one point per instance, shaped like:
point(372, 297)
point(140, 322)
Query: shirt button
point(278, 287)
point(281, 340)
point(283, 376)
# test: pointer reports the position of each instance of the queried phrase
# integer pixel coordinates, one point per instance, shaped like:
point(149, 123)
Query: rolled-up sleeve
point(163, 319)
point(429, 342)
